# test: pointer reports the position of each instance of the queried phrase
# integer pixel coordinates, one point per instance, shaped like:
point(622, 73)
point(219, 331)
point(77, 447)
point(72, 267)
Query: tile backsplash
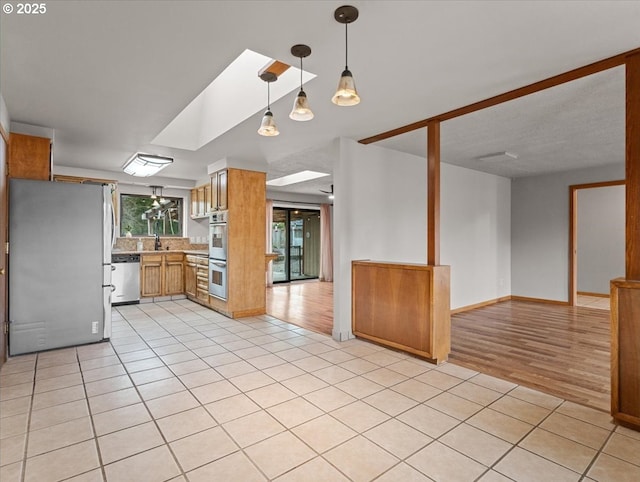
point(130, 244)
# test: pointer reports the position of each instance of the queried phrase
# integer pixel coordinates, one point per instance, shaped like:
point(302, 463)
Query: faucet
point(157, 244)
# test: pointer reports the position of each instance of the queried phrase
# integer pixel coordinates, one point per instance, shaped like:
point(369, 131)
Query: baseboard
point(539, 300)
point(597, 295)
point(480, 305)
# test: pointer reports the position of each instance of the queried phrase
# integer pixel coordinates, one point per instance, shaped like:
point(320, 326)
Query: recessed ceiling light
point(497, 157)
point(234, 96)
point(295, 178)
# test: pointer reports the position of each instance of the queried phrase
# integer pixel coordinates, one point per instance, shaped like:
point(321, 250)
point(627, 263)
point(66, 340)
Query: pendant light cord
point(269, 96)
point(301, 73)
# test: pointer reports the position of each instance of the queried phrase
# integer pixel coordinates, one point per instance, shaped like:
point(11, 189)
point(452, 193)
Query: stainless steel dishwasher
point(125, 278)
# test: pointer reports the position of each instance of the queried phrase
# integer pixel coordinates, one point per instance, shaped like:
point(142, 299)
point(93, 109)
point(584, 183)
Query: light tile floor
point(183, 393)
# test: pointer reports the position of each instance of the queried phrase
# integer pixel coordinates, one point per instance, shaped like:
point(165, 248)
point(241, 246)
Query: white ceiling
point(108, 76)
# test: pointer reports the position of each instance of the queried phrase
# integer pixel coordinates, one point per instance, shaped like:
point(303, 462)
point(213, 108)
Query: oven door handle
point(222, 264)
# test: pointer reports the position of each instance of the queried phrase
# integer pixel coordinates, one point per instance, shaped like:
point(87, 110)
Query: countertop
point(185, 251)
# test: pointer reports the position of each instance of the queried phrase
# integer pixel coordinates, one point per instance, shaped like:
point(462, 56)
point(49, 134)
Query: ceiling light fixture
point(301, 110)
point(498, 157)
point(346, 95)
point(145, 165)
point(268, 126)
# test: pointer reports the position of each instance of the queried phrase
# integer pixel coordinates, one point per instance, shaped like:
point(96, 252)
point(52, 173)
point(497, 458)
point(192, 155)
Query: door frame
point(289, 210)
point(573, 232)
point(4, 209)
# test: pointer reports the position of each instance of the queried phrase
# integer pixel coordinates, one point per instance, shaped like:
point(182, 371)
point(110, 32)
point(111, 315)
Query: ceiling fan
point(330, 193)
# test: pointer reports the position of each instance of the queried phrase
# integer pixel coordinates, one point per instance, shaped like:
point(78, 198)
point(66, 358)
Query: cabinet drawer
point(151, 259)
point(173, 257)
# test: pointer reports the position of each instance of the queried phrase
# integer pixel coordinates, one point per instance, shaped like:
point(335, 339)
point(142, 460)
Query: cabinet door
point(194, 203)
point(151, 275)
point(207, 198)
point(214, 191)
point(173, 274)
point(201, 201)
point(222, 190)
point(29, 157)
point(190, 280)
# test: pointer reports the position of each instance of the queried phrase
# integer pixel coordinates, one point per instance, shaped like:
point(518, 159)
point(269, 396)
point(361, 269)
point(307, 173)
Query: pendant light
point(301, 110)
point(268, 125)
point(346, 94)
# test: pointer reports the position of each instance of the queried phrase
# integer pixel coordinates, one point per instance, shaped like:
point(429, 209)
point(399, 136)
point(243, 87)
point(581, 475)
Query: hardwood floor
point(307, 304)
point(560, 350)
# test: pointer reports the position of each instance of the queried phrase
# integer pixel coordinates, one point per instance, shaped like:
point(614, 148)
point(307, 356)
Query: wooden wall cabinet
point(219, 197)
point(161, 274)
point(29, 157)
point(198, 202)
point(404, 306)
point(194, 203)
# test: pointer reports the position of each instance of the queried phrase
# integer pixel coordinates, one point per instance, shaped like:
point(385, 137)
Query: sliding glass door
point(296, 238)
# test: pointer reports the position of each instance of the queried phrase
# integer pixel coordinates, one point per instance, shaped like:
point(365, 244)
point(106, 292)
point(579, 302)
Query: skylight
point(234, 96)
point(295, 178)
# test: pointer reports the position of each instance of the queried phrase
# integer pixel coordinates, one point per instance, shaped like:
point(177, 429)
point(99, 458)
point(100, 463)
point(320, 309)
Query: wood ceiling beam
point(565, 77)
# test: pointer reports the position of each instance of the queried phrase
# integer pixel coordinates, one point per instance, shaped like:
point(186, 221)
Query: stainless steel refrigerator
point(60, 239)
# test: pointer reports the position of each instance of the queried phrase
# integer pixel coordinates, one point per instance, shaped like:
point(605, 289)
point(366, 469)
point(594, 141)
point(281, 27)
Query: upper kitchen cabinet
point(199, 203)
point(29, 157)
point(219, 199)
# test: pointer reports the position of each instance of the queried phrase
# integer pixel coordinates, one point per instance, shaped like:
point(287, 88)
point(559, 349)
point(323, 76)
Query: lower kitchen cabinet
point(196, 278)
point(161, 274)
point(173, 274)
point(190, 276)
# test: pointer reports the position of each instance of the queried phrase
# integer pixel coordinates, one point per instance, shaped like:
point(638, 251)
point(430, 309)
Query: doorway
point(599, 255)
point(295, 234)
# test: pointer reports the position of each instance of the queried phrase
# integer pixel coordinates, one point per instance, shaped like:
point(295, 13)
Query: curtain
point(269, 208)
point(326, 244)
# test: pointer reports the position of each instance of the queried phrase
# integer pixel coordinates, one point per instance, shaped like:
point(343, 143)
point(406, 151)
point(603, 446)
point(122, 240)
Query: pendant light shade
point(301, 110)
point(346, 94)
point(268, 126)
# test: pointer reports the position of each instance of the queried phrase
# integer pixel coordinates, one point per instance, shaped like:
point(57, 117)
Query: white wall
point(5, 119)
point(475, 239)
point(380, 213)
point(600, 237)
point(540, 230)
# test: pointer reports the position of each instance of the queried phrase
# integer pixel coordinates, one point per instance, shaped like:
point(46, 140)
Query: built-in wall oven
point(218, 278)
point(218, 254)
